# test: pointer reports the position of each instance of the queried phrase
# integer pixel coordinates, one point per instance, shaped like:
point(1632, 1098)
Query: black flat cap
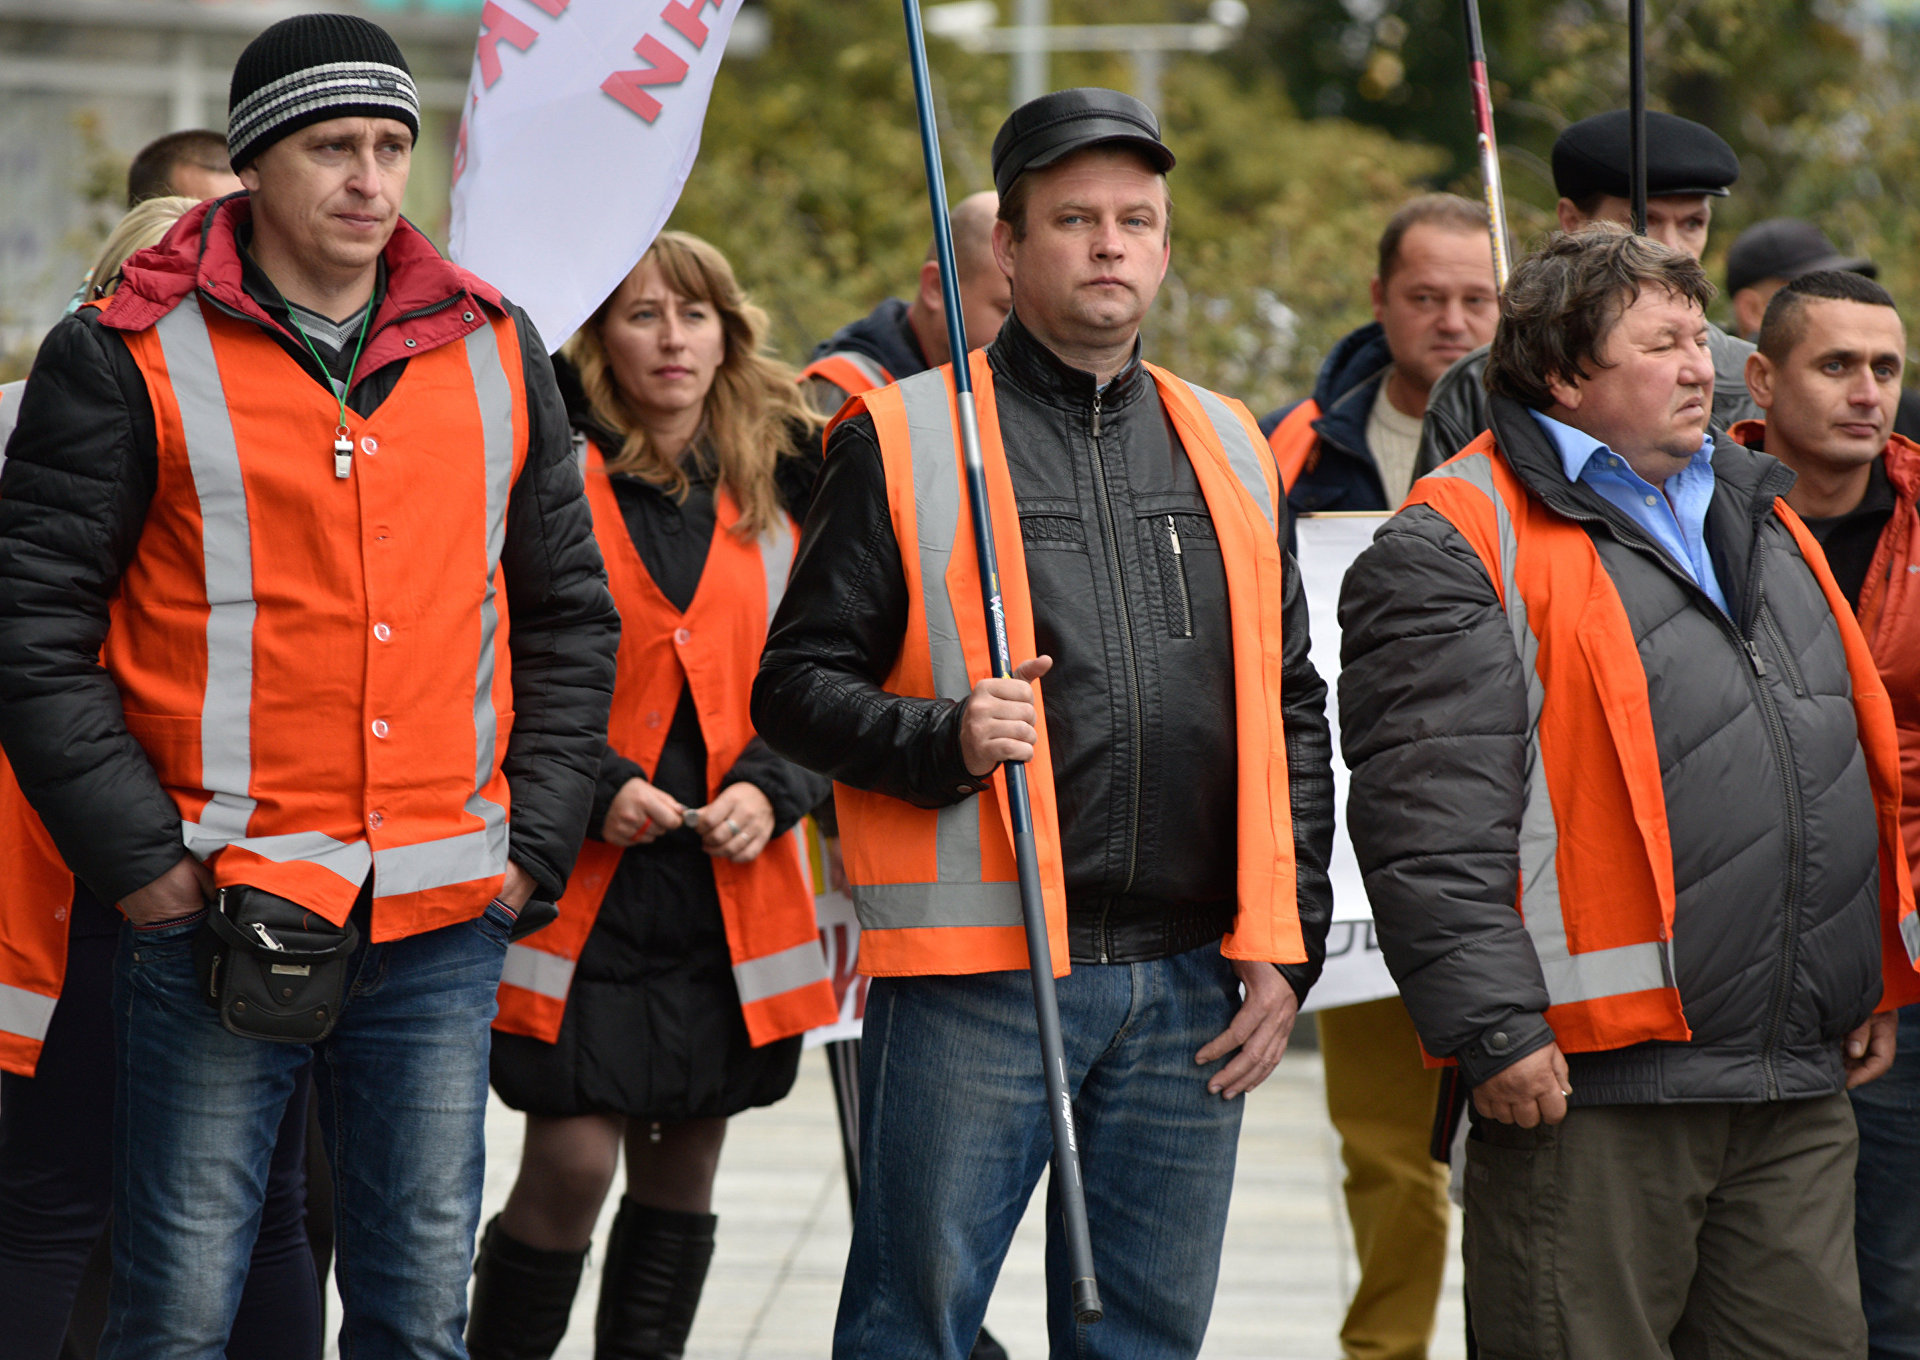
point(1682, 158)
point(1786, 248)
point(1042, 130)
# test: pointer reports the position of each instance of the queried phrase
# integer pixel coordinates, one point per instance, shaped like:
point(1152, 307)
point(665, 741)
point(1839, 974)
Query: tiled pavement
point(783, 1237)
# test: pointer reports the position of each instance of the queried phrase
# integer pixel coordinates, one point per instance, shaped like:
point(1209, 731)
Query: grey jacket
point(1457, 406)
point(1776, 947)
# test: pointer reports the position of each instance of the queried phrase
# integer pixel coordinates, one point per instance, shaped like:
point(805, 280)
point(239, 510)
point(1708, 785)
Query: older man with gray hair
point(1641, 892)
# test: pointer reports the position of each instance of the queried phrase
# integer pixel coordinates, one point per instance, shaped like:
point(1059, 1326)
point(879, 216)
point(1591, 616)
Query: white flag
point(582, 122)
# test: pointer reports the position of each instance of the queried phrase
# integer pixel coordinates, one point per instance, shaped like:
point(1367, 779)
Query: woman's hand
point(737, 824)
point(640, 815)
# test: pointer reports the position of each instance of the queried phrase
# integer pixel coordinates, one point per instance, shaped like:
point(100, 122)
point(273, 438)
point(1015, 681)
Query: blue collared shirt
point(1677, 520)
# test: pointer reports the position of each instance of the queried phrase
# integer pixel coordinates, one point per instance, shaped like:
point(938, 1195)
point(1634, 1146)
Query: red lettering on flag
point(498, 26)
point(629, 87)
point(554, 7)
point(686, 21)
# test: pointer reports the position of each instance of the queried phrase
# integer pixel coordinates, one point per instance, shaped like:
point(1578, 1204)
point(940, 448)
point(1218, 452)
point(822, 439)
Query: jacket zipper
point(1782, 756)
point(1774, 635)
point(1185, 629)
point(1118, 572)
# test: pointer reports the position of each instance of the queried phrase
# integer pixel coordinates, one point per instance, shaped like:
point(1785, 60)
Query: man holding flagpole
point(1180, 770)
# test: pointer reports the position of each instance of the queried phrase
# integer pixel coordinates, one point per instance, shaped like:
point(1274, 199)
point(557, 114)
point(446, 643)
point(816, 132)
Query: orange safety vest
point(1598, 902)
point(851, 372)
point(317, 666)
point(936, 889)
point(1296, 444)
point(36, 895)
point(713, 649)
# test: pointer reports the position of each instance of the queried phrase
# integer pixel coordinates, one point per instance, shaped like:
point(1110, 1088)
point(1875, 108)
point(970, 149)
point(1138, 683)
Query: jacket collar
point(1902, 456)
point(1018, 356)
point(429, 301)
point(1345, 390)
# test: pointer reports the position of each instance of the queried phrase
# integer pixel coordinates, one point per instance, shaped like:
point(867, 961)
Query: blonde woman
point(673, 989)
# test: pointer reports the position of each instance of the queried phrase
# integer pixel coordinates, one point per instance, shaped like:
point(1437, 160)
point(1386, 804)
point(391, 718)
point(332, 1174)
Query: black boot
point(656, 1266)
point(522, 1297)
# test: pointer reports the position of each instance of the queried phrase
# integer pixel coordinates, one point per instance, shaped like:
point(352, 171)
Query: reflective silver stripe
point(27, 1014)
point(800, 966)
point(776, 559)
point(349, 860)
point(908, 906)
point(10, 394)
point(874, 374)
point(1249, 460)
point(481, 854)
point(1570, 977)
point(1910, 932)
point(213, 453)
point(536, 970)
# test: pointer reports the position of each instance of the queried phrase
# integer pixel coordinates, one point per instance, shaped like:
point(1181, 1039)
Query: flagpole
point(1489, 149)
point(1067, 1183)
point(1637, 111)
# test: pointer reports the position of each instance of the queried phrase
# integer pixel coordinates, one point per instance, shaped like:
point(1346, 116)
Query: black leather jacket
point(1140, 698)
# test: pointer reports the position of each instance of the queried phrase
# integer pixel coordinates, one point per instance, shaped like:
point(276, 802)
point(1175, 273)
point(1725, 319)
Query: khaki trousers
point(1381, 1099)
point(1703, 1232)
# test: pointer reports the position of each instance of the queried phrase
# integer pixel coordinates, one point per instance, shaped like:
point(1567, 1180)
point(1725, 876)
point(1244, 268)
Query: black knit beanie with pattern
point(310, 68)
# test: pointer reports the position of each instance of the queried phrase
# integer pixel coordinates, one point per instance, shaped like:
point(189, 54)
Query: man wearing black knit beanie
point(267, 516)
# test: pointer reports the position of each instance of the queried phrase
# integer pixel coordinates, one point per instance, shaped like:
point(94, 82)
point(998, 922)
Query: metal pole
point(1489, 149)
point(1030, 57)
point(1637, 111)
point(1066, 1149)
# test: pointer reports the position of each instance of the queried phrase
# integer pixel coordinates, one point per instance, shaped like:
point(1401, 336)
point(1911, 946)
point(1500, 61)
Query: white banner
point(582, 123)
point(840, 938)
point(1356, 970)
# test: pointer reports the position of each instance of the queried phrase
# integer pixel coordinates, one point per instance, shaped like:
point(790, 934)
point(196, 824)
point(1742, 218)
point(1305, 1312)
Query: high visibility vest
point(1296, 444)
point(713, 651)
point(848, 370)
point(1598, 902)
point(317, 666)
point(936, 889)
point(36, 895)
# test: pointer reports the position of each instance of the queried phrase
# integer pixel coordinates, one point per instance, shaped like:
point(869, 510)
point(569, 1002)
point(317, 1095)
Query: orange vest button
point(374, 820)
point(381, 631)
point(368, 444)
point(682, 636)
point(380, 728)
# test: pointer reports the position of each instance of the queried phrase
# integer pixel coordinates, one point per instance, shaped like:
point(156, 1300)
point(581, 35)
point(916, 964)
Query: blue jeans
point(402, 1083)
point(955, 1134)
point(1886, 1223)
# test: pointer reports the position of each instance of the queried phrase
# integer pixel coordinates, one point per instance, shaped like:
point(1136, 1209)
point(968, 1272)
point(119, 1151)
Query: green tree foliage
point(810, 179)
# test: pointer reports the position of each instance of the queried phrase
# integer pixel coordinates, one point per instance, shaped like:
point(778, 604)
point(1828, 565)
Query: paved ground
point(783, 1237)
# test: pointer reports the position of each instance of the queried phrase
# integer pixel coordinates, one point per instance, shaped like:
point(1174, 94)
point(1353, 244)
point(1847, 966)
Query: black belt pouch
point(272, 968)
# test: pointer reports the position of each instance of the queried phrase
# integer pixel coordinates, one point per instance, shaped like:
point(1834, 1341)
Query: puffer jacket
point(1341, 474)
point(1457, 406)
point(1140, 698)
point(81, 470)
point(1777, 928)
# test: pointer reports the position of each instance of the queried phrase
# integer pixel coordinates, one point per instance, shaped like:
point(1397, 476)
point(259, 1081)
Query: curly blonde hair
point(752, 408)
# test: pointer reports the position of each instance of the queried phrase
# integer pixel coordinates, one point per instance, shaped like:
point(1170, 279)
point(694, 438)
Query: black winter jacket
point(1344, 476)
point(80, 472)
point(1776, 946)
point(1457, 406)
point(1140, 698)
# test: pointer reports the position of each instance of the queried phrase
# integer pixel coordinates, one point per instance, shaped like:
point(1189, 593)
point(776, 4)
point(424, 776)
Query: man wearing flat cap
point(1769, 255)
point(1177, 751)
point(1688, 166)
point(307, 655)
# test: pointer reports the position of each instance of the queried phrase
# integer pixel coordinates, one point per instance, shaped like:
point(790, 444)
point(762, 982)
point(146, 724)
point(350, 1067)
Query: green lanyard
point(342, 446)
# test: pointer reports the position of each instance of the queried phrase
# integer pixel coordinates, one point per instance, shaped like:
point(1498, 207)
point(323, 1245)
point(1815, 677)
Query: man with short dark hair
point(1641, 895)
point(899, 339)
point(305, 658)
point(191, 164)
point(1180, 774)
point(1352, 444)
point(1828, 376)
point(1688, 166)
